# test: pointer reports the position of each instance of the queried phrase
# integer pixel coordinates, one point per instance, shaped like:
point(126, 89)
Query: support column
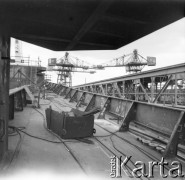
point(91, 88)
point(163, 88)
point(123, 88)
point(4, 91)
point(152, 88)
point(116, 88)
point(101, 87)
point(145, 92)
point(105, 89)
point(24, 97)
point(175, 90)
point(113, 90)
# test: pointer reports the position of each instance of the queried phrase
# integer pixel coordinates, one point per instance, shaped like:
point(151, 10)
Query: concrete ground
point(34, 158)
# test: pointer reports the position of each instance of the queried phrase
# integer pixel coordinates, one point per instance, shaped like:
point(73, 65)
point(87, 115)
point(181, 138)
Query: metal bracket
point(144, 90)
point(91, 103)
point(163, 89)
point(102, 112)
point(74, 96)
point(80, 100)
point(172, 146)
point(115, 86)
point(68, 94)
point(129, 116)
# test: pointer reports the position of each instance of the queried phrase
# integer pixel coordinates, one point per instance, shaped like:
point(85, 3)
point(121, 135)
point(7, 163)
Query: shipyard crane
point(133, 62)
point(64, 68)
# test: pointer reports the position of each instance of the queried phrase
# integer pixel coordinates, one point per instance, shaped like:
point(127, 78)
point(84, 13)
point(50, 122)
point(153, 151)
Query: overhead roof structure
point(86, 24)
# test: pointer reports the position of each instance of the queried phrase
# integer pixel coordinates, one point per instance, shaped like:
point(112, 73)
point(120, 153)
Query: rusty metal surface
point(119, 107)
point(54, 121)
point(67, 126)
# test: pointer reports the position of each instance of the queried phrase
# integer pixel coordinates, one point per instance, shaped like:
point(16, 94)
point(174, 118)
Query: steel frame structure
point(167, 122)
point(163, 86)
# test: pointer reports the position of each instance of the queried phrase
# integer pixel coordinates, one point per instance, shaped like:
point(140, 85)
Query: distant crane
point(18, 50)
point(64, 67)
point(133, 62)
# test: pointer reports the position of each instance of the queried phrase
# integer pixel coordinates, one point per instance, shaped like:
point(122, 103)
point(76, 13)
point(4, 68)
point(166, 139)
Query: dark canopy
point(86, 24)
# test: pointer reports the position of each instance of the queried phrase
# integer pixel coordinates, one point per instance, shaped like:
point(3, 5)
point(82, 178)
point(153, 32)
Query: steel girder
point(163, 86)
point(167, 122)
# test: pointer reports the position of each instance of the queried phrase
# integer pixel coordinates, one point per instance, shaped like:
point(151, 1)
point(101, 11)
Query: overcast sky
point(166, 44)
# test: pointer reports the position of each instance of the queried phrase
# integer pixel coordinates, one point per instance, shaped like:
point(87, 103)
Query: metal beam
point(101, 87)
point(161, 121)
point(172, 146)
point(91, 103)
point(99, 11)
point(163, 89)
point(74, 96)
point(109, 34)
point(115, 85)
point(152, 87)
point(59, 39)
point(148, 97)
point(41, 37)
point(114, 18)
point(103, 109)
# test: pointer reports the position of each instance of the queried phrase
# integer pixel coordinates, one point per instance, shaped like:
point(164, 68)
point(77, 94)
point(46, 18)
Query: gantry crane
point(133, 62)
point(64, 67)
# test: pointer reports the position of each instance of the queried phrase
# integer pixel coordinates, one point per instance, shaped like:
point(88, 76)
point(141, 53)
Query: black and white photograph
point(92, 89)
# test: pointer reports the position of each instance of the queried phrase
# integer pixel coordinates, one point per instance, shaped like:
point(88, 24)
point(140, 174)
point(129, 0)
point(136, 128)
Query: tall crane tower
point(135, 62)
point(64, 71)
point(64, 68)
point(18, 51)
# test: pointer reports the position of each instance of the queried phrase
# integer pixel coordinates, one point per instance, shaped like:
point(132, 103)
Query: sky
point(166, 44)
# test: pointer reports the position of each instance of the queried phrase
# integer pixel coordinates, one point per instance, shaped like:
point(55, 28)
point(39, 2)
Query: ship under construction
point(130, 127)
